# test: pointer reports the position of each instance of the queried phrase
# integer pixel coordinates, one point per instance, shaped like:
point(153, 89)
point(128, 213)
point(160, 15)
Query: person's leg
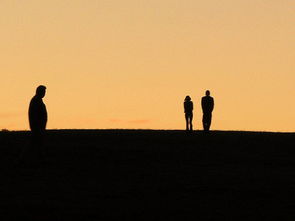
point(187, 121)
point(191, 122)
point(206, 122)
point(209, 121)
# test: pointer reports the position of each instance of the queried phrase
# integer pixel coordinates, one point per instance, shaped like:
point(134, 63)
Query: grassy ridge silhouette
point(150, 175)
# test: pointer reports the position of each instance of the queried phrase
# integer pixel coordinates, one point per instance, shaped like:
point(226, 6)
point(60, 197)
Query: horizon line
point(135, 129)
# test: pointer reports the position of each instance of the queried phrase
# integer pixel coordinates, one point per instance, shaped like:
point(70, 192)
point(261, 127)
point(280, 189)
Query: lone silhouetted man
point(188, 110)
point(38, 116)
point(207, 107)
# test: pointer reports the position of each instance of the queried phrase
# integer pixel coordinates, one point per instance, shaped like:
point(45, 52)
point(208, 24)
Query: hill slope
point(149, 175)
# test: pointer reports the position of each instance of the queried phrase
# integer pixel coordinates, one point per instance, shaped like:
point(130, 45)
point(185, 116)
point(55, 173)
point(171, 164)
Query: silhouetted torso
point(188, 107)
point(37, 115)
point(207, 104)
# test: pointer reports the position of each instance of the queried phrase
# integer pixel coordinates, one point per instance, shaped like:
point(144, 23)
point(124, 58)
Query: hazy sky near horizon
point(130, 64)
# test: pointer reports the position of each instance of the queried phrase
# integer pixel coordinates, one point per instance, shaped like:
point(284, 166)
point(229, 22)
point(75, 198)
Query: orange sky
point(130, 64)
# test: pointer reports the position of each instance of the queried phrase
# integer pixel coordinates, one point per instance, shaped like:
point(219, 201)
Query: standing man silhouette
point(188, 110)
point(207, 107)
point(38, 116)
point(37, 120)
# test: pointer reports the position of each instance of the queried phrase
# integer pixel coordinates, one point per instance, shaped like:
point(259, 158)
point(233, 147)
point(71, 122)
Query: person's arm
point(203, 104)
point(33, 115)
point(44, 116)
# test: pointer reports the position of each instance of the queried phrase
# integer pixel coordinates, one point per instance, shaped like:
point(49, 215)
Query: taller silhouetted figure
point(38, 121)
point(207, 107)
point(38, 116)
point(188, 110)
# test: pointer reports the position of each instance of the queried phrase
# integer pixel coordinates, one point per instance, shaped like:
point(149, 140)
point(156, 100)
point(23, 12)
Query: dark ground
point(149, 175)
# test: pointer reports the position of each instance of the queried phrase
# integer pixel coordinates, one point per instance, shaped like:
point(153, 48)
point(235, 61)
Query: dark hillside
point(149, 175)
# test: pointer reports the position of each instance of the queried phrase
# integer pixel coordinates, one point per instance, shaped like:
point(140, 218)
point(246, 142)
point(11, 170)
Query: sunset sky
point(130, 64)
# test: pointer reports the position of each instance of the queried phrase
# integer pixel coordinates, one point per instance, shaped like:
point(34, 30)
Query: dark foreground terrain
point(148, 175)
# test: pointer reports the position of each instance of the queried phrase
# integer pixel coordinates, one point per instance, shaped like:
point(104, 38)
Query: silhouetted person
point(207, 107)
point(38, 119)
point(37, 111)
point(188, 110)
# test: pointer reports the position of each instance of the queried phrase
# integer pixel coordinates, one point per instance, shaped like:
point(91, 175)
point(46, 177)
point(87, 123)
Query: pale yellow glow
point(130, 64)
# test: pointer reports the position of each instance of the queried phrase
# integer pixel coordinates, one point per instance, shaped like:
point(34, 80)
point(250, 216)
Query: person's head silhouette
point(40, 91)
point(187, 98)
point(207, 93)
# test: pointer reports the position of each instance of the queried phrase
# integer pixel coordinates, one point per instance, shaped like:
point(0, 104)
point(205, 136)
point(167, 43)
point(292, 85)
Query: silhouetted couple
point(207, 107)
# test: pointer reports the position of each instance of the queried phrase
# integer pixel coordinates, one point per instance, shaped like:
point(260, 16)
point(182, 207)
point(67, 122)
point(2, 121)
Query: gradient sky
point(130, 64)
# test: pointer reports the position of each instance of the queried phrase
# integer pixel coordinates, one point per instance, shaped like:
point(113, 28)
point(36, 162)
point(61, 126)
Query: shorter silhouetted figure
point(207, 107)
point(188, 110)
